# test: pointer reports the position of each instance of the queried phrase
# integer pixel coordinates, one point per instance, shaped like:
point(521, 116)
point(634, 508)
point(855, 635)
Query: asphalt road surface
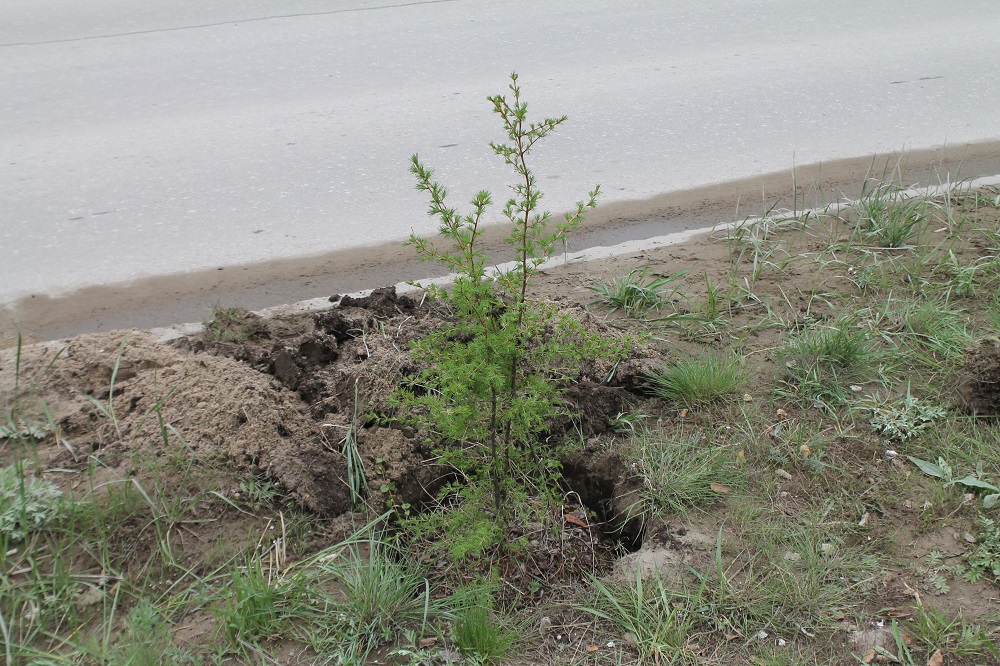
point(149, 138)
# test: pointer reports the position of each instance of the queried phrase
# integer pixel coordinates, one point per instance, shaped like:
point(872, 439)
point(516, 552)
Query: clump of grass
point(255, 606)
point(939, 631)
point(818, 362)
point(680, 472)
point(783, 577)
point(937, 329)
point(380, 594)
point(700, 380)
point(915, 332)
point(656, 623)
point(836, 347)
point(480, 633)
point(756, 243)
point(965, 441)
point(635, 293)
point(343, 601)
point(145, 641)
point(381, 591)
point(816, 573)
point(871, 276)
point(889, 218)
point(357, 480)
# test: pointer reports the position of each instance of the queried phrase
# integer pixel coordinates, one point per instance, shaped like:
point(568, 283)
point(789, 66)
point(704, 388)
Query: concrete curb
point(590, 254)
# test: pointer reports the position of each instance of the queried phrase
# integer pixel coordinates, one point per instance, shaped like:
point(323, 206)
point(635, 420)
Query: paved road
point(145, 137)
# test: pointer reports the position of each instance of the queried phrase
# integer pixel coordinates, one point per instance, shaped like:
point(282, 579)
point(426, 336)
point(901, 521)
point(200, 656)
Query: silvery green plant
point(27, 504)
point(904, 418)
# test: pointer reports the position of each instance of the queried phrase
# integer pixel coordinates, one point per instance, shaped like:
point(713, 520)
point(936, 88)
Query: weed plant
point(18, 425)
point(984, 560)
point(27, 504)
point(635, 293)
point(904, 418)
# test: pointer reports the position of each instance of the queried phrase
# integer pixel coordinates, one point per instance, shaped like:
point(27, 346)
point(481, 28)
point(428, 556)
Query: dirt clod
point(382, 302)
point(594, 406)
point(397, 462)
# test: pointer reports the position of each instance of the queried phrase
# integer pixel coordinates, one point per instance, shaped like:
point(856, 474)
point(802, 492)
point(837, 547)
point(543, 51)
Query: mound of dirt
point(224, 410)
point(346, 362)
point(979, 380)
point(277, 396)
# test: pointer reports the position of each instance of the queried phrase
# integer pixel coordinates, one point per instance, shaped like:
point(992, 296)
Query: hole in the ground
point(610, 489)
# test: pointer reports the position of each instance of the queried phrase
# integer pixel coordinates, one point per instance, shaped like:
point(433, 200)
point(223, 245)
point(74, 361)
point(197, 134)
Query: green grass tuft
point(700, 380)
point(481, 634)
point(888, 218)
point(649, 615)
point(821, 364)
point(635, 293)
point(680, 470)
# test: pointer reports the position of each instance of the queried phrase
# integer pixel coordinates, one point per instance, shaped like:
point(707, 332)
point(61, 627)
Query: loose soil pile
point(276, 397)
